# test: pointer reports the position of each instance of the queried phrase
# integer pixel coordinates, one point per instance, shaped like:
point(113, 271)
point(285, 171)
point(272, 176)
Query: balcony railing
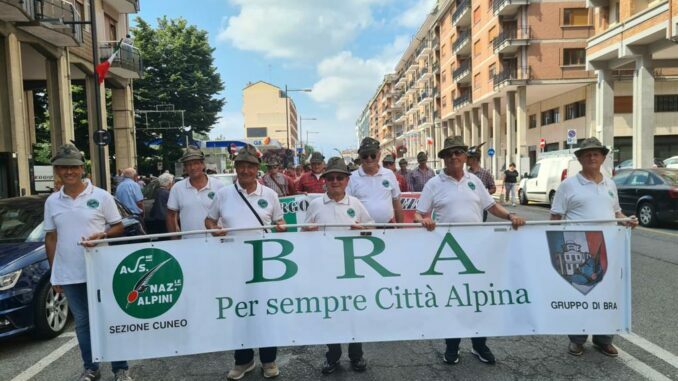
point(509, 76)
point(461, 100)
point(463, 68)
point(463, 6)
point(423, 72)
point(508, 37)
point(127, 64)
point(55, 21)
point(125, 6)
point(462, 38)
point(423, 120)
point(426, 94)
point(507, 7)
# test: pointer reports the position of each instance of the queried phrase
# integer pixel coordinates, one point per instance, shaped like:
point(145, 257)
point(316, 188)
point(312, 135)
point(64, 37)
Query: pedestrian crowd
point(460, 193)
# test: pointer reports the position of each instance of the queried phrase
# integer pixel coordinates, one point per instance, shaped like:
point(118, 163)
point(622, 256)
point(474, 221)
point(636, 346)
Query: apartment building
point(519, 74)
point(362, 124)
point(268, 112)
point(43, 47)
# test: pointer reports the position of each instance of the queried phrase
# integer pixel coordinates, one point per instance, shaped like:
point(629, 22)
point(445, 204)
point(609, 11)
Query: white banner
point(247, 291)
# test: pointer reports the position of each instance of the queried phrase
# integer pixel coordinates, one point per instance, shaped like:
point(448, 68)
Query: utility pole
point(103, 181)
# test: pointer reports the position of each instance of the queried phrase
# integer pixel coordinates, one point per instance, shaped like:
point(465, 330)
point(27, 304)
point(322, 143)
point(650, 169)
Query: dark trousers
point(245, 356)
point(355, 352)
point(452, 345)
point(600, 339)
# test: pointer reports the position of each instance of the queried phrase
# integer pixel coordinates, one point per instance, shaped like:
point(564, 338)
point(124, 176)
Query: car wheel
point(646, 215)
point(51, 312)
point(522, 197)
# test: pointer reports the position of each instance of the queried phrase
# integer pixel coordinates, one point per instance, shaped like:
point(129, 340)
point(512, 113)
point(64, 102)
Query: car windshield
point(670, 176)
point(21, 221)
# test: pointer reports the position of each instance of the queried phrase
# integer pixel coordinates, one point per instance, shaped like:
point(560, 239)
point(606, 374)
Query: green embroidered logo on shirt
point(262, 203)
point(610, 193)
point(471, 185)
point(350, 212)
point(385, 183)
point(211, 195)
point(92, 203)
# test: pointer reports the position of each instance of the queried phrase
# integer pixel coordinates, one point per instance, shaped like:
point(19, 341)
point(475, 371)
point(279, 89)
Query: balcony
point(462, 14)
point(400, 101)
point(424, 97)
point(411, 68)
point(124, 6)
point(424, 122)
point(401, 83)
point(462, 45)
point(461, 100)
point(399, 118)
point(436, 67)
point(424, 49)
point(507, 7)
point(127, 64)
point(424, 74)
point(53, 21)
point(16, 10)
point(511, 77)
point(509, 41)
point(462, 74)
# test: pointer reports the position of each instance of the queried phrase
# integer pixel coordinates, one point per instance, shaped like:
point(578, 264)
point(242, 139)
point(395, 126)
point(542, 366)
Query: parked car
point(28, 302)
point(541, 183)
point(650, 194)
point(671, 162)
point(627, 164)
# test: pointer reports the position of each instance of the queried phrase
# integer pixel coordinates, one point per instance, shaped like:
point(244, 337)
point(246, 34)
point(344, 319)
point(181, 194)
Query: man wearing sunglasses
point(376, 187)
point(456, 195)
point(336, 207)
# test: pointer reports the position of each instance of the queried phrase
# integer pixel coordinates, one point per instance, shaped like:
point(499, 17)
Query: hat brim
point(248, 159)
point(442, 151)
point(368, 149)
point(192, 157)
point(335, 170)
point(317, 161)
point(580, 151)
point(68, 162)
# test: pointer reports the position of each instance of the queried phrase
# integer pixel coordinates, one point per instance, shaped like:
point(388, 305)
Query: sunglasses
point(456, 152)
point(372, 156)
point(330, 178)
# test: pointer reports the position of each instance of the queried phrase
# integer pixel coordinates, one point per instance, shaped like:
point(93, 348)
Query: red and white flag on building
point(102, 68)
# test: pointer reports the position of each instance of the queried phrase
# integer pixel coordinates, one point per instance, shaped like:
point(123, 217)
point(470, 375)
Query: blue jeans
point(77, 303)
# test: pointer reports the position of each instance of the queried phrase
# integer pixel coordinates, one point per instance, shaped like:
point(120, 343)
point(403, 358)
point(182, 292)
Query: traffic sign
point(542, 143)
point(101, 137)
point(571, 137)
point(490, 152)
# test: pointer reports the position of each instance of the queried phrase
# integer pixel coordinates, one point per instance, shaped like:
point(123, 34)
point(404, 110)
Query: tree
point(178, 70)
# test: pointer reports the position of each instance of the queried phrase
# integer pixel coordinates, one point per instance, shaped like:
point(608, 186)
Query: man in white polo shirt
point(191, 197)
point(92, 208)
point(589, 196)
point(376, 187)
point(455, 195)
point(336, 207)
point(235, 207)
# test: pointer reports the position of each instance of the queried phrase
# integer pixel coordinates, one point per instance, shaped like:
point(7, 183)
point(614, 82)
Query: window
point(256, 132)
point(574, 57)
point(492, 34)
point(476, 15)
point(476, 81)
point(666, 103)
point(638, 178)
point(492, 71)
point(623, 105)
point(575, 16)
point(535, 171)
point(476, 48)
point(550, 116)
point(575, 110)
point(533, 121)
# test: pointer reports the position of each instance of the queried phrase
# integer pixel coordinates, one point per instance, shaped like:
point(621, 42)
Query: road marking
point(640, 367)
point(68, 334)
point(652, 348)
point(672, 234)
point(46, 361)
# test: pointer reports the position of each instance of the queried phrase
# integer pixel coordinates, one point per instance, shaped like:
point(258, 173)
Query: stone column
point(643, 112)
point(604, 111)
point(467, 128)
point(92, 122)
point(475, 125)
point(510, 126)
point(14, 135)
point(123, 128)
point(458, 126)
point(60, 101)
point(485, 133)
point(521, 124)
point(496, 138)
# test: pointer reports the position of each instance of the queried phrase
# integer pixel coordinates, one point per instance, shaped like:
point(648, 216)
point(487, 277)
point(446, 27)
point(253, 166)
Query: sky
point(341, 49)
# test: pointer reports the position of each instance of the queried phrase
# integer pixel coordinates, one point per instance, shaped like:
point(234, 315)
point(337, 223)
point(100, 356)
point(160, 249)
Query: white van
point(551, 169)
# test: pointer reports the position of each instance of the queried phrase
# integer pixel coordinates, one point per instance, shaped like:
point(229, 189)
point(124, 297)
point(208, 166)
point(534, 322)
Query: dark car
point(628, 164)
point(28, 302)
point(650, 194)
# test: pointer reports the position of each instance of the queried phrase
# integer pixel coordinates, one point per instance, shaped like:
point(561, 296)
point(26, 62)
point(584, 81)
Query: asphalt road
point(651, 352)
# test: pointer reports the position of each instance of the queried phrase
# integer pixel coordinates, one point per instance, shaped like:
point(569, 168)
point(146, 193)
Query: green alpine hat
point(368, 145)
point(248, 154)
point(589, 144)
point(68, 154)
point(317, 157)
point(336, 165)
point(388, 159)
point(452, 143)
point(192, 153)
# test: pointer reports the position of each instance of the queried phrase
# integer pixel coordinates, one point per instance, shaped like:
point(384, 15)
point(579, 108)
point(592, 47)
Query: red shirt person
point(312, 182)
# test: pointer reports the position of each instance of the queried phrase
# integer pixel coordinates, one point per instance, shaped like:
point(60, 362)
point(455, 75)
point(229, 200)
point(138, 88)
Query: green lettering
point(258, 258)
point(350, 257)
point(222, 308)
point(461, 256)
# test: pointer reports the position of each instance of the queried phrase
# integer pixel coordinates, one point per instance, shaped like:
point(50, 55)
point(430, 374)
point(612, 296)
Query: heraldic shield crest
point(579, 257)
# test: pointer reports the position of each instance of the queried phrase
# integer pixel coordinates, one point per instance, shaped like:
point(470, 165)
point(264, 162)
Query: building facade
point(519, 74)
point(267, 112)
point(43, 46)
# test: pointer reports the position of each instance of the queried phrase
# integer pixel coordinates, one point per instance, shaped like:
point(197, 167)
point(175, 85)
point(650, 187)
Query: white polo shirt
point(192, 203)
point(234, 213)
point(455, 201)
point(578, 198)
point(73, 219)
point(349, 210)
point(376, 192)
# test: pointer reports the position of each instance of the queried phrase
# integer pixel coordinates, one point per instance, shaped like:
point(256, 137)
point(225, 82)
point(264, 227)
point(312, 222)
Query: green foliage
point(179, 70)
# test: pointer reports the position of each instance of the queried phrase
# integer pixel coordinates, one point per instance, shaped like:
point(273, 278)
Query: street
point(650, 352)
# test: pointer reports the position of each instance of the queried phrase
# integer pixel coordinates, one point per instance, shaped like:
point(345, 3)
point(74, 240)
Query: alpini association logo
point(147, 283)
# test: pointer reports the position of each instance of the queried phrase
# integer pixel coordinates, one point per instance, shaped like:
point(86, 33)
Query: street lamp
point(310, 132)
point(187, 129)
point(301, 119)
point(287, 110)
